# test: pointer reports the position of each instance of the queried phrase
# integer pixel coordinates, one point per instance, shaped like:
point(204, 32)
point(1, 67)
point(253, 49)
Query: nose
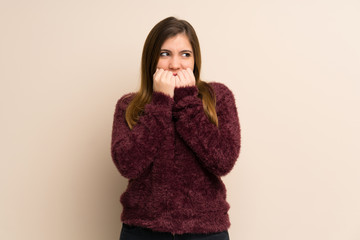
point(174, 63)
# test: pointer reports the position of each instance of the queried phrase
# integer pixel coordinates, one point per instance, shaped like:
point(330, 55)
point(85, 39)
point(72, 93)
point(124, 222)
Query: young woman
point(173, 140)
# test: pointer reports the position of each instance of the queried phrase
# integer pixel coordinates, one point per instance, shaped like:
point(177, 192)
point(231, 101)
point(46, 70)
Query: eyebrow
point(182, 51)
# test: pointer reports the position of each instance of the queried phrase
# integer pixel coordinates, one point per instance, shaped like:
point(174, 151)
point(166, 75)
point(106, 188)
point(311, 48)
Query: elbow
point(121, 166)
point(224, 163)
point(127, 164)
point(124, 169)
point(131, 172)
point(128, 173)
point(224, 169)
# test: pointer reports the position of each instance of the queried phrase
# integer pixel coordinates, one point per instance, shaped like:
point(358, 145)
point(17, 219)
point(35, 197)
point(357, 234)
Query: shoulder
point(124, 101)
point(221, 90)
point(221, 87)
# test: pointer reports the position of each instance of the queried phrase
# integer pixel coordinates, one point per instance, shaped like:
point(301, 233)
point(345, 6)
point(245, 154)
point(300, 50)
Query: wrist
point(181, 92)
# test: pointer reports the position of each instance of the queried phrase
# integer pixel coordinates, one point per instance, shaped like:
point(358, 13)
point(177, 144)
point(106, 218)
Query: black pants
point(138, 233)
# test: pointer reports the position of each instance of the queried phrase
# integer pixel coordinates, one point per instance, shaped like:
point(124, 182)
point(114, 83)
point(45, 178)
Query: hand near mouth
point(164, 81)
point(185, 78)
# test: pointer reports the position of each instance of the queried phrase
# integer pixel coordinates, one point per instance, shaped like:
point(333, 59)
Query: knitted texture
point(174, 158)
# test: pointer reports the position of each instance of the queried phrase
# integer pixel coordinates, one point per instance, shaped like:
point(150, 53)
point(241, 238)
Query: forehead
point(177, 42)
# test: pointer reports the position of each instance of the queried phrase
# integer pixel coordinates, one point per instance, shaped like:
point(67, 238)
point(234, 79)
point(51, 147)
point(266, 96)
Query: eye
point(186, 54)
point(164, 54)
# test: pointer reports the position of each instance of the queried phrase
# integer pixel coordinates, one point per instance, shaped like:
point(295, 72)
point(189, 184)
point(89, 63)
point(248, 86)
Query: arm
point(133, 150)
point(216, 147)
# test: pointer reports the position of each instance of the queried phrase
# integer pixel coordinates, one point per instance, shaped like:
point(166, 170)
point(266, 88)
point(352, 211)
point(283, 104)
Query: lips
point(175, 74)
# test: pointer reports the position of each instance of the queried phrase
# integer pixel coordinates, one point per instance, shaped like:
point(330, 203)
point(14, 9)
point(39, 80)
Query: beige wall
point(294, 67)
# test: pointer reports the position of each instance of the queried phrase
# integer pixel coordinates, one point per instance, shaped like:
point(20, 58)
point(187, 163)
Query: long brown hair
point(167, 28)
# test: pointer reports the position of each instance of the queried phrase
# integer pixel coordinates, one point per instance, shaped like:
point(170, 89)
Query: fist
point(185, 78)
point(164, 81)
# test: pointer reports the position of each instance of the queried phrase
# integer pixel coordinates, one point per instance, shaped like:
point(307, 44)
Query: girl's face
point(176, 54)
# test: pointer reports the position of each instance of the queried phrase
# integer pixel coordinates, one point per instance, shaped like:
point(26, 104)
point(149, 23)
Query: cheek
point(161, 64)
point(189, 64)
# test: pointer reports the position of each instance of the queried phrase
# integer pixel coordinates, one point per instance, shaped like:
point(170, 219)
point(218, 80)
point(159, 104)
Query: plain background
point(293, 66)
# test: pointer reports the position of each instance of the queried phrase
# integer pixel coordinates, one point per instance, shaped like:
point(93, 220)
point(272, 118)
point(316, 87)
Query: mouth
point(175, 74)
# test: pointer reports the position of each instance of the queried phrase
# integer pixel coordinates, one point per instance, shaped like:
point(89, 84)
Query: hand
point(185, 78)
point(164, 81)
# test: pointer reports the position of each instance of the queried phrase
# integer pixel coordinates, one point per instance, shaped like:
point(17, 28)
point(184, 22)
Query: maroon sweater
point(174, 158)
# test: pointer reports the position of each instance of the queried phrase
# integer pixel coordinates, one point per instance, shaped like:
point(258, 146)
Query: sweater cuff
point(181, 92)
point(160, 104)
point(160, 98)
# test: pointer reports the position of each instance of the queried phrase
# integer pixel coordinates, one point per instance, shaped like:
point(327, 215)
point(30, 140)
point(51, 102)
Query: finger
point(187, 73)
point(168, 76)
point(172, 80)
point(158, 73)
point(191, 75)
point(190, 71)
point(181, 77)
point(177, 81)
point(187, 78)
point(163, 75)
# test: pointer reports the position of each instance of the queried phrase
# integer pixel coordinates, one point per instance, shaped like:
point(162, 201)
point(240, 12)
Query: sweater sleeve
point(133, 150)
point(217, 148)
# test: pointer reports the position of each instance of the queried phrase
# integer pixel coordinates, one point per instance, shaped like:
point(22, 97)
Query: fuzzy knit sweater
point(174, 158)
